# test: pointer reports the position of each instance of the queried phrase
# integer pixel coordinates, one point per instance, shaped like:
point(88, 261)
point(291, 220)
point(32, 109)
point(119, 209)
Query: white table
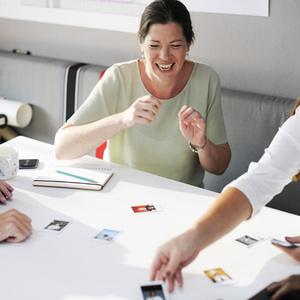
point(71, 266)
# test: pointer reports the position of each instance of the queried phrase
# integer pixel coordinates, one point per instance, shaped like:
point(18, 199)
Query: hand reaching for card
point(172, 257)
point(14, 226)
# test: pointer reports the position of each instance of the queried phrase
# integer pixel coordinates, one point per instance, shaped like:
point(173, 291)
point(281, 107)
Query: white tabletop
point(71, 266)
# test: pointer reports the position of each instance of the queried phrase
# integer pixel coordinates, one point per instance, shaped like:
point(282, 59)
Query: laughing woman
point(161, 113)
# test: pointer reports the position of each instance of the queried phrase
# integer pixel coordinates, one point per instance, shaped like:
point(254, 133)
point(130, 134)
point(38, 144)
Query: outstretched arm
point(228, 210)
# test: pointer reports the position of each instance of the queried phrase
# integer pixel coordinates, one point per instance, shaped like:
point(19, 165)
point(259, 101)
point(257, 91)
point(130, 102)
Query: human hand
point(172, 257)
point(192, 125)
point(292, 251)
point(283, 287)
point(6, 189)
point(142, 111)
point(14, 226)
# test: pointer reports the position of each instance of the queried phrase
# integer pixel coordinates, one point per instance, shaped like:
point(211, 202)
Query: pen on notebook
point(76, 176)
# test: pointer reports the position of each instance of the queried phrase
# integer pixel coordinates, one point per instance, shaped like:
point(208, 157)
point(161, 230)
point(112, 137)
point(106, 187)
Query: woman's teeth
point(165, 67)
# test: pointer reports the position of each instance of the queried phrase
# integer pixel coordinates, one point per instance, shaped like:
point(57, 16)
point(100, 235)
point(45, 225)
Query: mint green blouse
point(160, 147)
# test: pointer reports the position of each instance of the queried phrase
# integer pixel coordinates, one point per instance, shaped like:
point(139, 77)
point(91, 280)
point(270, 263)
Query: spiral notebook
point(74, 178)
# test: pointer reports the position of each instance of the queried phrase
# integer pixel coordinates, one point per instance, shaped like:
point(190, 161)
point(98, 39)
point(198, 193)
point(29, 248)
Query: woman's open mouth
point(165, 67)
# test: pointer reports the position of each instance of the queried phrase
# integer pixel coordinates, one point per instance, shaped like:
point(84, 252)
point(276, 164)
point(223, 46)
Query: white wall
point(259, 54)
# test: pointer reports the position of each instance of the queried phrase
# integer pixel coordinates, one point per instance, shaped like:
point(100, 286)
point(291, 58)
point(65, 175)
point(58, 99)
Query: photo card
point(56, 226)
point(107, 236)
point(146, 208)
point(218, 276)
point(153, 290)
point(250, 240)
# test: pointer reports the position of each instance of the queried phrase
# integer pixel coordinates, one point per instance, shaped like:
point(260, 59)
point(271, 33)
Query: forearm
point(72, 141)
point(215, 159)
point(230, 209)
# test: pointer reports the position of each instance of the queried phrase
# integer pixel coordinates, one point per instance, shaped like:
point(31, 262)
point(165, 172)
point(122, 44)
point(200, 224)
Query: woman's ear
point(140, 42)
point(139, 38)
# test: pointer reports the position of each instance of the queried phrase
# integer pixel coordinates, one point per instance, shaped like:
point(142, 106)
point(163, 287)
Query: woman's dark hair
point(163, 12)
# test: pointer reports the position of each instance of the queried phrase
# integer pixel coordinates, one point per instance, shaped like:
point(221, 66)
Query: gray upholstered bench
point(251, 122)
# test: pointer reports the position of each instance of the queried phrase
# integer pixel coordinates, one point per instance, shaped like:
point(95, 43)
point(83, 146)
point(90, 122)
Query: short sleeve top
point(160, 147)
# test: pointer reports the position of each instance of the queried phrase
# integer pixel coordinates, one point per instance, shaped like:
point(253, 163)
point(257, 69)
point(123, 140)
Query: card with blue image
point(107, 236)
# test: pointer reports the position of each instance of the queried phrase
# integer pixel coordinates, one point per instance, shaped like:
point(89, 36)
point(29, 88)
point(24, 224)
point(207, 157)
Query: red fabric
point(101, 75)
point(100, 149)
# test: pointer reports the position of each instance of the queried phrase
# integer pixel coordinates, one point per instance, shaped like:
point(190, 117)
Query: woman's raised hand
point(142, 111)
point(192, 125)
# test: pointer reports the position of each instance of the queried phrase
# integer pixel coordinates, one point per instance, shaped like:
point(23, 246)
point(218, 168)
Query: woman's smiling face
point(164, 49)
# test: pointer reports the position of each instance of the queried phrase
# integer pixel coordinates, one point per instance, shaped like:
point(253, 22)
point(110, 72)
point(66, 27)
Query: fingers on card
point(284, 243)
point(218, 276)
point(107, 236)
point(146, 208)
point(56, 226)
point(250, 240)
point(154, 290)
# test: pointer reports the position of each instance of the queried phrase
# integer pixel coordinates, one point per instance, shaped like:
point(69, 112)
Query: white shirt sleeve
point(275, 169)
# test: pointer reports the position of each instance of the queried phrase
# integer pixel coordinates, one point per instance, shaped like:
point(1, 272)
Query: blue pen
point(76, 176)
point(5, 195)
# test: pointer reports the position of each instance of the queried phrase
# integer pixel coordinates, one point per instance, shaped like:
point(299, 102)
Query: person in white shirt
point(239, 201)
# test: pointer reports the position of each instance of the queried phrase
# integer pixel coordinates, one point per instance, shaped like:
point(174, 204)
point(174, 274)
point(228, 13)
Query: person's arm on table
point(262, 181)
point(213, 158)
point(228, 210)
point(14, 226)
point(75, 141)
